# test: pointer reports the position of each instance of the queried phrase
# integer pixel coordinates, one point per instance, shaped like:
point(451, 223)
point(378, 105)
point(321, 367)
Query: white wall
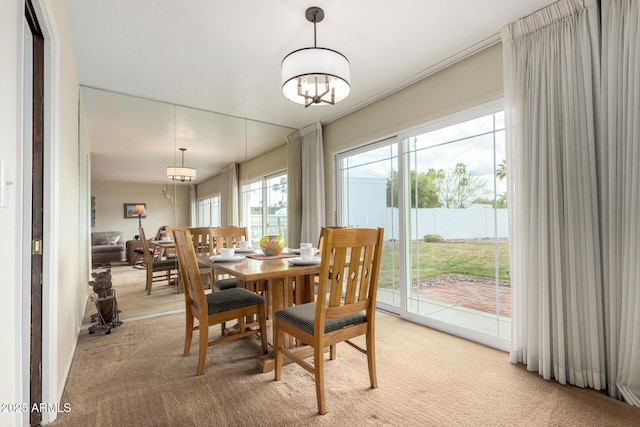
point(11, 367)
point(66, 232)
point(62, 261)
point(110, 197)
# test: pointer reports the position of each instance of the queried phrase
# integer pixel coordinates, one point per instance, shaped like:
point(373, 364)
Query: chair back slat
point(228, 237)
point(202, 238)
point(348, 272)
point(190, 273)
point(353, 278)
point(145, 246)
point(169, 229)
point(366, 273)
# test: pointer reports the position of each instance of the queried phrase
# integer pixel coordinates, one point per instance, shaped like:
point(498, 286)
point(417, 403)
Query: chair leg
point(204, 345)
point(149, 280)
point(263, 328)
point(332, 352)
point(318, 367)
point(279, 338)
point(188, 335)
point(371, 359)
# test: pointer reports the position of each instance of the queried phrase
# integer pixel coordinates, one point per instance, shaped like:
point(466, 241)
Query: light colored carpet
point(137, 376)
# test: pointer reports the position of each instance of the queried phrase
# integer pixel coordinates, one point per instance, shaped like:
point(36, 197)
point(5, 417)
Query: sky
point(469, 142)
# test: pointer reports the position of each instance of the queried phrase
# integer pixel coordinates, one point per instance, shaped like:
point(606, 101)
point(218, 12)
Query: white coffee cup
point(227, 252)
point(166, 238)
point(306, 253)
point(306, 245)
point(243, 244)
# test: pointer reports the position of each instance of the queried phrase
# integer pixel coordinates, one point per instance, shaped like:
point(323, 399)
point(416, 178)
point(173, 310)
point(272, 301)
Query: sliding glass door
point(369, 198)
point(442, 202)
point(458, 241)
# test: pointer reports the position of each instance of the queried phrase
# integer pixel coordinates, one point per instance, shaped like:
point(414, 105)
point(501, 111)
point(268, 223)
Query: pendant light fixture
point(315, 75)
point(181, 173)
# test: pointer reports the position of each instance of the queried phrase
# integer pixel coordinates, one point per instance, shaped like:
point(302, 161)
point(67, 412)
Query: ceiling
point(157, 75)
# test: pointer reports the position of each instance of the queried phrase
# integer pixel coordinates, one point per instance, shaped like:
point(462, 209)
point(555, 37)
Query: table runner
point(280, 256)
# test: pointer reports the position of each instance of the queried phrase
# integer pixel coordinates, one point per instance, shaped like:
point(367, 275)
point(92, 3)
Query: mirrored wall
point(132, 141)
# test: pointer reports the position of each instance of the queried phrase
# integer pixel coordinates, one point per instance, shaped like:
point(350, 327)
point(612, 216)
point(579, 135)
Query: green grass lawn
point(437, 259)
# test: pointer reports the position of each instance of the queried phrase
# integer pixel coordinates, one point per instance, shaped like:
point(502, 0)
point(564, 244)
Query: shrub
point(433, 238)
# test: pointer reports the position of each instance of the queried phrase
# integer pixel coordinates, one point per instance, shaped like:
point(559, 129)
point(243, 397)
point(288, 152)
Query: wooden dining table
point(285, 284)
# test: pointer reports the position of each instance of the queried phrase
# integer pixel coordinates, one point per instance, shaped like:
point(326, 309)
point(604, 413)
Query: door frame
point(42, 10)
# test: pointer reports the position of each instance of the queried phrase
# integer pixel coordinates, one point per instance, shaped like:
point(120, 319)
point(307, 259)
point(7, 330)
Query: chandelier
point(315, 75)
point(181, 173)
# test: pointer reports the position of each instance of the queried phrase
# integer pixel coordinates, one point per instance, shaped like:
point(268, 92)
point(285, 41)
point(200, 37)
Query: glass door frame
point(402, 141)
point(404, 154)
point(380, 143)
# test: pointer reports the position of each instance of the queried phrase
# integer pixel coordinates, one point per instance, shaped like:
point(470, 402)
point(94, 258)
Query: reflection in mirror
point(132, 141)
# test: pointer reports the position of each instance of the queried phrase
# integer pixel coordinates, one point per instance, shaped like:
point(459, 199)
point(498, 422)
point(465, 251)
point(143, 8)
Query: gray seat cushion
point(232, 299)
point(106, 249)
point(224, 284)
point(173, 263)
point(302, 317)
point(166, 263)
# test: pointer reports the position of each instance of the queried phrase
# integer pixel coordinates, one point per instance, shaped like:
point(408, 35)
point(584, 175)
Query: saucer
point(219, 258)
point(245, 251)
point(299, 261)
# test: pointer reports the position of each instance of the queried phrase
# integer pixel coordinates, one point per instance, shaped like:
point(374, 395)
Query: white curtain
point(620, 194)
point(572, 110)
point(193, 206)
point(229, 196)
point(551, 95)
point(294, 190)
point(313, 196)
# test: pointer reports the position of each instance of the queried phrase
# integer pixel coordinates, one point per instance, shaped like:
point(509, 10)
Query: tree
point(426, 191)
point(501, 173)
point(280, 188)
point(459, 188)
point(501, 170)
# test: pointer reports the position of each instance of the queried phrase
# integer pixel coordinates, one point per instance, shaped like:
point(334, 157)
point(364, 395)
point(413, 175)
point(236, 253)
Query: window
point(439, 192)
point(209, 212)
point(366, 196)
point(265, 206)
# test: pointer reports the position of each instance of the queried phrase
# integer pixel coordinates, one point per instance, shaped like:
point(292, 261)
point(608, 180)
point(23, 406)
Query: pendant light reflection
point(180, 173)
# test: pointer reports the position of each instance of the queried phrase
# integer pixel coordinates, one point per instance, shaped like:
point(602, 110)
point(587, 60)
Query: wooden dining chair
point(345, 307)
point(168, 232)
point(227, 237)
point(202, 238)
point(213, 308)
point(168, 268)
point(322, 231)
point(203, 243)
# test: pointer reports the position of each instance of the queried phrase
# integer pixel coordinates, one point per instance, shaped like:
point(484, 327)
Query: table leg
point(281, 295)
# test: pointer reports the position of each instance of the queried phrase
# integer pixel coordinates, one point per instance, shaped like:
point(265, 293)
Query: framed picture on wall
point(135, 210)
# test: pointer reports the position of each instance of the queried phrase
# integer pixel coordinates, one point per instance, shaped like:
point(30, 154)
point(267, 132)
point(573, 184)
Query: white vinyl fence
point(476, 222)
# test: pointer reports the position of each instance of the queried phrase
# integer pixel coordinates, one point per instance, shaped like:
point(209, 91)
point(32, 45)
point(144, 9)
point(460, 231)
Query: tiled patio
point(473, 295)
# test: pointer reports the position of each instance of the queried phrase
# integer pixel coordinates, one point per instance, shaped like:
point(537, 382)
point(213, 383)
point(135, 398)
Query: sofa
point(106, 247)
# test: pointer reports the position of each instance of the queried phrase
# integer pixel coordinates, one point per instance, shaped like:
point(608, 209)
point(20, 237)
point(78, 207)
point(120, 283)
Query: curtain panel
point(313, 195)
point(572, 117)
point(229, 196)
point(193, 206)
point(619, 157)
point(294, 190)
